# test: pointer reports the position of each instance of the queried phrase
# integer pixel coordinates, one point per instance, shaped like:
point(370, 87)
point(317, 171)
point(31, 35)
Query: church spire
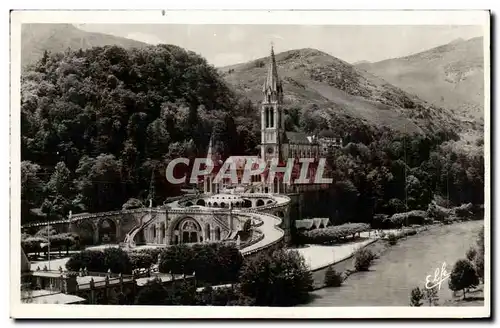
point(210, 146)
point(272, 88)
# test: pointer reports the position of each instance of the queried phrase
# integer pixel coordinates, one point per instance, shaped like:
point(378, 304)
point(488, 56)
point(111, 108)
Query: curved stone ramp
point(269, 228)
point(130, 237)
point(269, 225)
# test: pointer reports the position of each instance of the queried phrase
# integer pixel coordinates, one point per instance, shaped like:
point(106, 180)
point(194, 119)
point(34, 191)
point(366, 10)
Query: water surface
point(403, 267)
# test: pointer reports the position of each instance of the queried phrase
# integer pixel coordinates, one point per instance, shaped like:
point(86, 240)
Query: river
point(402, 267)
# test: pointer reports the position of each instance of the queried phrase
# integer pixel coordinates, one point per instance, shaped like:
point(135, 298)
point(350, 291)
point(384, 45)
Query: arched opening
point(260, 202)
point(207, 232)
point(275, 185)
point(269, 201)
point(189, 204)
point(280, 214)
point(217, 233)
point(152, 233)
point(86, 232)
point(107, 231)
point(162, 231)
point(200, 202)
point(247, 203)
point(187, 231)
point(266, 190)
point(223, 205)
point(215, 204)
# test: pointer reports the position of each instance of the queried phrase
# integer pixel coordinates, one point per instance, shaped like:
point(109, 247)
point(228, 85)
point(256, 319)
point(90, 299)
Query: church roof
point(297, 138)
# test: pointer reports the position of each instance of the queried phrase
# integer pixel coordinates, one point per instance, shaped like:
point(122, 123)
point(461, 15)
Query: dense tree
point(463, 276)
point(278, 279)
point(416, 297)
point(98, 117)
point(152, 293)
point(114, 259)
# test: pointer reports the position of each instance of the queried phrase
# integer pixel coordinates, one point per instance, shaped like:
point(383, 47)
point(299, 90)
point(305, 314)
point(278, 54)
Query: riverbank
point(400, 268)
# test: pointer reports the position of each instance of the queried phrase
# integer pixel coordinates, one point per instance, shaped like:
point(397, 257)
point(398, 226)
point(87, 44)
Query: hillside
point(341, 95)
point(450, 76)
point(36, 38)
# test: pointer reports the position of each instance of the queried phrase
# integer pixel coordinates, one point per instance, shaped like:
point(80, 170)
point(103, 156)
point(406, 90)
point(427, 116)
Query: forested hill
point(111, 116)
point(38, 38)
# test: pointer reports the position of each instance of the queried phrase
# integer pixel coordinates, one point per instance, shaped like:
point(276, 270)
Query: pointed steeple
point(210, 146)
point(272, 88)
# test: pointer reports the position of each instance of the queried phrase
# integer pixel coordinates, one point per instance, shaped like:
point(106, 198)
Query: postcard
point(280, 164)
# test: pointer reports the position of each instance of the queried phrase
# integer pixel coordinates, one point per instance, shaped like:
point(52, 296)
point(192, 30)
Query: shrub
point(117, 260)
point(333, 278)
point(277, 279)
point(395, 205)
point(416, 297)
point(408, 218)
point(431, 295)
point(213, 263)
point(33, 244)
point(363, 259)
point(152, 293)
point(63, 241)
point(464, 211)
point(334, 233)
point(90, 260)
point(392, 239)
point(176, 259)
point(463, 276)
point(141, 260)
point(471, 254)
point(112, 258)
point(410, 232)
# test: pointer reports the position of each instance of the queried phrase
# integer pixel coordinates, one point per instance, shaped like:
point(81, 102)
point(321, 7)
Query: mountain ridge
point(344, 94)
point(449, 76)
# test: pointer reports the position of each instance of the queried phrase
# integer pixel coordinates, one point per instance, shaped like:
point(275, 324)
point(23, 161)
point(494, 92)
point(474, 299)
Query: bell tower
point(272, 120)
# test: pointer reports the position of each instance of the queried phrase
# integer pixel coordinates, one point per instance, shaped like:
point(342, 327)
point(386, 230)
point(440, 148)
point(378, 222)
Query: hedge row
point(33, 244)
point(144, 258)
point(214, 263)
point(114, 259)
point(334, 233)
point(381, 221)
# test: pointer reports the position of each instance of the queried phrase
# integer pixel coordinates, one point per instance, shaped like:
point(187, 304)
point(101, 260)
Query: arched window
point(207, 231)
point(217, 233)
point(272, 118)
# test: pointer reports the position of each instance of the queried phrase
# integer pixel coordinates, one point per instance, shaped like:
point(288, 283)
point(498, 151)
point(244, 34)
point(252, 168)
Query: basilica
point(277, 144)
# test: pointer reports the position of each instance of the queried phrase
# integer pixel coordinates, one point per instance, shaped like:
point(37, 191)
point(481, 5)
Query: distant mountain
point(36, 38)
point(343, 95)
point(450, 76)
point(361, 62)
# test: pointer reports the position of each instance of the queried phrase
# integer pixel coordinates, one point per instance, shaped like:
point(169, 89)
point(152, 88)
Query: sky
point(225, 45)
